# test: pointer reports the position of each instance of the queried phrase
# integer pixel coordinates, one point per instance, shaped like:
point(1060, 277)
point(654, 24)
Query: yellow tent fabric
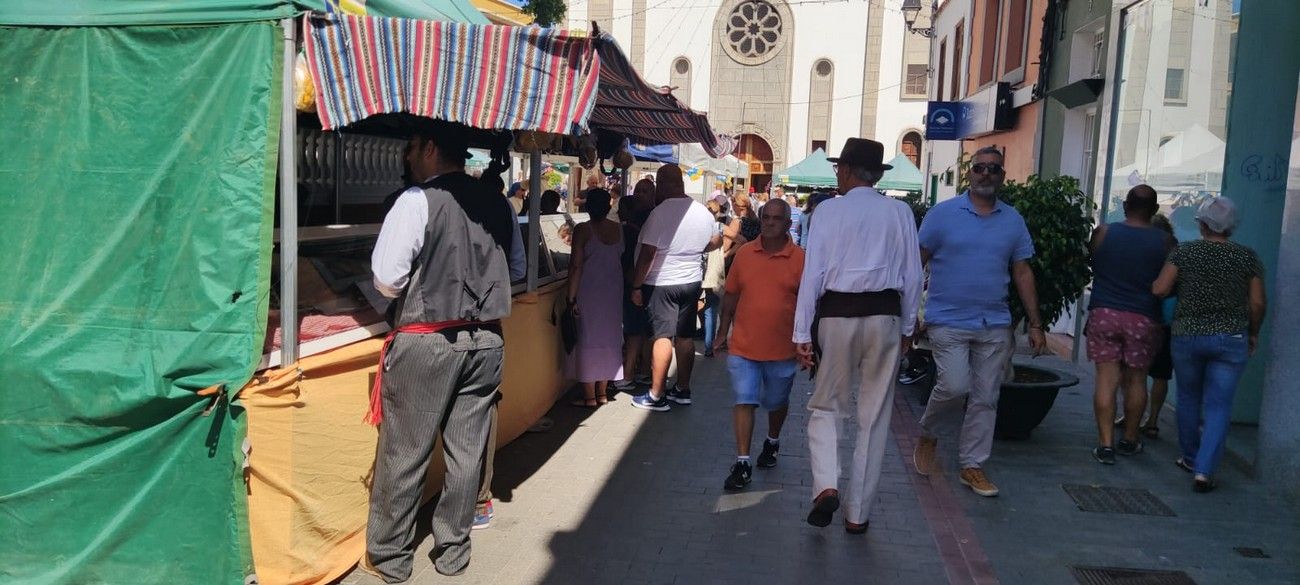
point(310, 456)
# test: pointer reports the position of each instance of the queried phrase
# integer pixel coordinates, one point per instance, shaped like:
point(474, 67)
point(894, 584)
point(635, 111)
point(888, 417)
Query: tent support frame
point(288, 203)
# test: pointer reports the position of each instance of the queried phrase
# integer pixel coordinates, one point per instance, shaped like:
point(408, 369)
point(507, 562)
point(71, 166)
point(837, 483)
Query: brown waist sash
point(860, 304)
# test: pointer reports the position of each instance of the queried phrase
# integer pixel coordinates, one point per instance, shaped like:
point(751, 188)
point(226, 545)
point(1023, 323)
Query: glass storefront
point(1170, 110)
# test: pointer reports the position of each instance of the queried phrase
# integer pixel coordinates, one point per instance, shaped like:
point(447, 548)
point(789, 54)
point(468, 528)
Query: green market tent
point(136, 207)
point(903, 177)
point(814, 171)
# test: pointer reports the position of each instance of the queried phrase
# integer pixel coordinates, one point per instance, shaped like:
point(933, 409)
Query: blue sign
point(943, 121)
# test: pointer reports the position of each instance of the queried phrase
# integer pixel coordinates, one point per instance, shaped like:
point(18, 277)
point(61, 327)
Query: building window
point(943, 69)
point(823, 68)
point(1098, 52)
point(680, 79)
point(818, 145)
point(1175, 86)
point(1014, 57)
point(1089, 156)
point(820, 102)
point(958, 41)
point(989, 41)
point(916, 77)
point(911, 147)
point(754, 32)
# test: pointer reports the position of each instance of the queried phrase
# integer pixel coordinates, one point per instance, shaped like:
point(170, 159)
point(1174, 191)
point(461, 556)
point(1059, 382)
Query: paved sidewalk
point(620, 495)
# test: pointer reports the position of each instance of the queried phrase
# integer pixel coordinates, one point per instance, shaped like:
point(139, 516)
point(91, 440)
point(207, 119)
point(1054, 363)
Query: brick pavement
point(620, 495)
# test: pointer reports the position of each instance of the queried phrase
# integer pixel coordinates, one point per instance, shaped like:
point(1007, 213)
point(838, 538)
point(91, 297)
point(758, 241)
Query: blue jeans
point(711, 309)
point(765, 384)
point(1207, 368)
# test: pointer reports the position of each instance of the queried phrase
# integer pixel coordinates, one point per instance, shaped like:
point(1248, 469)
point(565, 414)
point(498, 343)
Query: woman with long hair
point(595, 294)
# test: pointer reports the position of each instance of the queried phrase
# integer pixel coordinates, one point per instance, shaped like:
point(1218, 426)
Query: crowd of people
point(834, 288)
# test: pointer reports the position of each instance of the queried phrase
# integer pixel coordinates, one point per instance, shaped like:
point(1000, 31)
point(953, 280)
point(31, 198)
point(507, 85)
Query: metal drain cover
point(1093, 498)
point(1122, 576)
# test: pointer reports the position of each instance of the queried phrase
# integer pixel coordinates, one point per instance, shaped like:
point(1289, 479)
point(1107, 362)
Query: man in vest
point(858, 299)
point(442, 254)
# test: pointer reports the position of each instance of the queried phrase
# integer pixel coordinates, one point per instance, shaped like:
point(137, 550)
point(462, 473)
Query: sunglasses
point(986, 168)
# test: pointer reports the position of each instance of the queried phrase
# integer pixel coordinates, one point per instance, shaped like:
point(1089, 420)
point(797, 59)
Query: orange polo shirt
point(767, 286)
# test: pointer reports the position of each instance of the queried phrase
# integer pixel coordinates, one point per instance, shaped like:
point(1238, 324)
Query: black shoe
point(1104, 455)
point(741, 473)
point(1124, 447)
point(1201, 486)
point(1182, 464)
point(767, 459)
point(823, 508)
point(679, 395)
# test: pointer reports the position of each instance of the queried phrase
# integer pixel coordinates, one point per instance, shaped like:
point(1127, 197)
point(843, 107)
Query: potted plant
point(1060, 221)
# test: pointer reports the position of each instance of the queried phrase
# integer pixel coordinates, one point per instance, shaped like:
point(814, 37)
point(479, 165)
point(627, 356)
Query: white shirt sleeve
point(911, 271)
point(813, 283)
point(518, 259)
point(400, 241)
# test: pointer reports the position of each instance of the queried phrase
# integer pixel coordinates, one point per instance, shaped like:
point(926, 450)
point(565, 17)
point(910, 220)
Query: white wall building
point(786, 76)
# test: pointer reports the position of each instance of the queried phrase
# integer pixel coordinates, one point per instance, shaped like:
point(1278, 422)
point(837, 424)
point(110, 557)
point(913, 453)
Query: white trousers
point(868, 346)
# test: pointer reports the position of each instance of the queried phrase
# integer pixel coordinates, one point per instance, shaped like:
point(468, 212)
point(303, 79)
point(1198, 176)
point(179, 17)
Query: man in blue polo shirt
point(975, 245)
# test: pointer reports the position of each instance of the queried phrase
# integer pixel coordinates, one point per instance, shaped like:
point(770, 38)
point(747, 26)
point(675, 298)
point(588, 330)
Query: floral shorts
point(1129, 339)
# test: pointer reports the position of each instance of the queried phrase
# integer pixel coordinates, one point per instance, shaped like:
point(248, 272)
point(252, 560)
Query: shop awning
point(150, 12)
point(814, 171)
point(646, 114)
point(483, 76)
point(903, 177)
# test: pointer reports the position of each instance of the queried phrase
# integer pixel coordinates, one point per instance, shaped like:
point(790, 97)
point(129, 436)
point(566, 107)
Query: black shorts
point(1162, 366)
point(635, 321)
point(672, 309)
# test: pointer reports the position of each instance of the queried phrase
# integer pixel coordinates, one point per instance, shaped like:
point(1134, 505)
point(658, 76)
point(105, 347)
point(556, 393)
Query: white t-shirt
point(680, 228)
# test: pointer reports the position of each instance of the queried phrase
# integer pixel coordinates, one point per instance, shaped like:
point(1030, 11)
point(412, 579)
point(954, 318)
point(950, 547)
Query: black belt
point(856, 304)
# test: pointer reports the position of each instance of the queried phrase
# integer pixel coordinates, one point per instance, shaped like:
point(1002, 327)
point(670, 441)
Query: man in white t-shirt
point(666, 281)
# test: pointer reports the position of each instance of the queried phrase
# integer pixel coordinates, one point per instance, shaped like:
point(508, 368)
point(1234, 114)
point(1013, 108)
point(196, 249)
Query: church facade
point(786, 77)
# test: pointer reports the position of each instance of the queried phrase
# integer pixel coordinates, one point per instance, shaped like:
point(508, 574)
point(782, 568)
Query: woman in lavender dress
point(596, 295)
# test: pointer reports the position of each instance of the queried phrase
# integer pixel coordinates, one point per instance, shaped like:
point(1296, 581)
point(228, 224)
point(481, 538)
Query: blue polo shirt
point(970, 266)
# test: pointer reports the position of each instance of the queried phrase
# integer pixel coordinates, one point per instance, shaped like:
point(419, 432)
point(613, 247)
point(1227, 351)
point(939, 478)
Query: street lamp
point(911, 8)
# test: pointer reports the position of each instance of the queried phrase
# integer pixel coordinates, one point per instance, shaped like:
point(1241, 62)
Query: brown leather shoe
point(824, 506)
point(852, 528)
point(923, 455)
point(974, 478)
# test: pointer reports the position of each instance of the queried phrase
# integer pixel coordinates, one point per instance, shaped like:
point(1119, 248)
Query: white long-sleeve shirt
point(861, 242)
point(402, 237)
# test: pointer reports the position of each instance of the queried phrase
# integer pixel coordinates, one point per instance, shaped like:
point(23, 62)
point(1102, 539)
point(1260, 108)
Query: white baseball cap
point(1219, 214)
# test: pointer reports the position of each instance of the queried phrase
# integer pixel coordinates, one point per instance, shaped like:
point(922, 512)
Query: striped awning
point(484, 76)
point(646, 114)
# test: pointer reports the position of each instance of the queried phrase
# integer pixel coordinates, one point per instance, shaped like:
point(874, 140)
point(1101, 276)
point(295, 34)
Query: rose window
point(754, 30)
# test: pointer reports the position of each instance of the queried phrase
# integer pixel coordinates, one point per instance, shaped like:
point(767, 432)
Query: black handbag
point(569, 329)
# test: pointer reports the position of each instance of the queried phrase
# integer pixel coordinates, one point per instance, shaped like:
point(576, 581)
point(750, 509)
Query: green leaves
point(545, 12)
point(1060, 221)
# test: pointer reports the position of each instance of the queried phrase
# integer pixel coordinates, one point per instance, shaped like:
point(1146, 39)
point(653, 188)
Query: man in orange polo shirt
point(762, 288)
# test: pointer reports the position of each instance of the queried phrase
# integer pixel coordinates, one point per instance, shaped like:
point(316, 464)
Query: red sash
point(376, 413)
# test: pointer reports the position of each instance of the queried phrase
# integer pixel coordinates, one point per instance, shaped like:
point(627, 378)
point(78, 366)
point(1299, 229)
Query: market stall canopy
point(814, 171)
point(129, 12)
point(483, 76)
point(692, 156)
point(628, 106)
point(903, 177)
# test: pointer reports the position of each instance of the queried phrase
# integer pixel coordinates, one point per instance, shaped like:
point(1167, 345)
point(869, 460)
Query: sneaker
point(1124, 447)
point(624, 385)
point(1104, 455)
point(1119, 420)
point(483, 517)
point(974, 478)
point(1182, 464)
point(1202, 485)
point(767, 459)
point(923, 455)
point(647, 402)
point(741, 473)
point(679, 395)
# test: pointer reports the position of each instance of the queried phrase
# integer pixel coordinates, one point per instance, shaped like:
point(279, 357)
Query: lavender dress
point(599, 354)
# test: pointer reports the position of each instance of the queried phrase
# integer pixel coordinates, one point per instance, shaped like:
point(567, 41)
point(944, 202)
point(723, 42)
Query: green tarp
point(133, 12)
point(816, 171)
point(136, 201)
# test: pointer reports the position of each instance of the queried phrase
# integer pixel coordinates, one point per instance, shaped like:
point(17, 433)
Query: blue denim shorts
point(766, 384)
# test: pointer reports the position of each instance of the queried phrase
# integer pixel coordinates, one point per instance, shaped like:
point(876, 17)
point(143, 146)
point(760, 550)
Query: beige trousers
point(970, 366)
point(869, 347)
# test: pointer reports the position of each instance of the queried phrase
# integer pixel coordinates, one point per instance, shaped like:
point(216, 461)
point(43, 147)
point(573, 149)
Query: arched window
point(820, 89)
point(680, 78)
point(910, 146)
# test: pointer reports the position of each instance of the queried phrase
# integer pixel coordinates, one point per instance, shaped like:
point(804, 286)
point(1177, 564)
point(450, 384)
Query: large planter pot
point(1026, 398)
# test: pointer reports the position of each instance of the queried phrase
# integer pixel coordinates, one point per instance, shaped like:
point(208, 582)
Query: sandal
point(585, 402)
point(1151, 432)
point(602, 398)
